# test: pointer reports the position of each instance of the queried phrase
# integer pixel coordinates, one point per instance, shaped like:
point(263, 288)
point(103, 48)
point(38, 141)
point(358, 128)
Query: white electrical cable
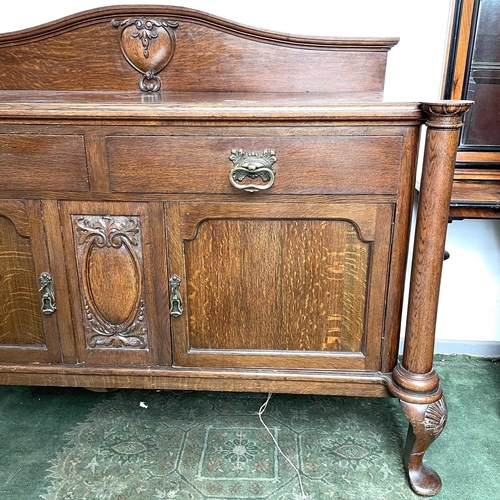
point(260, 413)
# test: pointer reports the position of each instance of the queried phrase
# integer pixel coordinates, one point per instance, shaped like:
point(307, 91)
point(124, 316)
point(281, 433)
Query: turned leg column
point(416, 383)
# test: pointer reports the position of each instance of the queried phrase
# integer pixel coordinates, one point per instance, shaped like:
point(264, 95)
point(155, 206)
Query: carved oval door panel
point(118, 319)
point(28, 319)
point(281, 285)
point(110, 248)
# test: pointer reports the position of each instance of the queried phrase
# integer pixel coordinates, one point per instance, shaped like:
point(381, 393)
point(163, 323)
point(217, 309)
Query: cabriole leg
point(426, 423)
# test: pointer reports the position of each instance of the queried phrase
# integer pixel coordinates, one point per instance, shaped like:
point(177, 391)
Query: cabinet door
point(117, 277)
point(28, 319)
point(283, 285)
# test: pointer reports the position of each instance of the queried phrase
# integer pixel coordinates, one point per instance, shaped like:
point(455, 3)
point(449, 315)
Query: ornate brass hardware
point(254, 166)
point(175, 296)
point(48, 298)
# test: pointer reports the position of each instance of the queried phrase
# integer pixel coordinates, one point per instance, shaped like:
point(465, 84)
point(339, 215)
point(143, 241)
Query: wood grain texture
point(299, 278)
point(20, 318)
point(106, 246)
point(399, 256)
point(473, 193)
point(277, 285)
point(475, 212)
point(57, 258)
point(28, 161)
point(476, 174)
point(297, 289)
point(464, 34)
point(188, 107)
point(95, 149)
point(443, 124)
point(306, 165)
point(346, 383)
point(212, 54)
point(33, 337)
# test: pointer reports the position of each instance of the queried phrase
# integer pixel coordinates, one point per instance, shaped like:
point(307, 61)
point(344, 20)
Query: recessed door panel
point(28, 319)
point(273, 285)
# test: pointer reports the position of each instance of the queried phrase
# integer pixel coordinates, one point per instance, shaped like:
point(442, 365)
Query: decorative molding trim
point(445, 114)
point(104, 14)
point(106, 231)
point(104, 334)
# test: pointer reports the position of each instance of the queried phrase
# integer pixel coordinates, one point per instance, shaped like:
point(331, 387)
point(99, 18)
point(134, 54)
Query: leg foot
point(426, 423)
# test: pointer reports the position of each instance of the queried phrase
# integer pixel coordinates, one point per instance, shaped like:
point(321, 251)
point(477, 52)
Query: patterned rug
point(194, 446)
point(71, 444)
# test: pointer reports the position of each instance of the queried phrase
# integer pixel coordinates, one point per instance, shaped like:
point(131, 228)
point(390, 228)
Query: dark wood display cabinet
point(188, 203)
point(473, 72)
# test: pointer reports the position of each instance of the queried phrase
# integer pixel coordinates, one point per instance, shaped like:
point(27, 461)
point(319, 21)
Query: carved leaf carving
point(148, 45)
point(110, 262)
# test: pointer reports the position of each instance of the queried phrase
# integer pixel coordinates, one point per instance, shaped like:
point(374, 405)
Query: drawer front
point(305, 165)
point(43, 162)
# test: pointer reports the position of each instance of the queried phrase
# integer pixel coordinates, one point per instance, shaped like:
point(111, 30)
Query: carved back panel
point(177, 49)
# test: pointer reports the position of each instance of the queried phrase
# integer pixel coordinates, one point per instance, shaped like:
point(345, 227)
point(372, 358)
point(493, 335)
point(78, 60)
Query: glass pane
point(482, 123)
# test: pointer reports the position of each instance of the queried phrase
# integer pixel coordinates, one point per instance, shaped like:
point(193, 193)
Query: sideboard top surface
point(24, 104)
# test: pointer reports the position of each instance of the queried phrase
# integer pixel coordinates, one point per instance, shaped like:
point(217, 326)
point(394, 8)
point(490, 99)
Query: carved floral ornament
point(102, 241)
point(148, 45)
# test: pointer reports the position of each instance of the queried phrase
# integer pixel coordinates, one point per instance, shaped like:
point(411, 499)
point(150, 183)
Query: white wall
point(471, 279)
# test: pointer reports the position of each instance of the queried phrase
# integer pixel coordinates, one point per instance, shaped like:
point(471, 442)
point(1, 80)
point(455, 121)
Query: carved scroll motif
point(148, 45)
point(110, 261)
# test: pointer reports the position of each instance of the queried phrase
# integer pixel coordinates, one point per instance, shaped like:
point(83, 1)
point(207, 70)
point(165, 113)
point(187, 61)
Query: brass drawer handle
point(175, 296)
point(254, 166)
point(48, 297)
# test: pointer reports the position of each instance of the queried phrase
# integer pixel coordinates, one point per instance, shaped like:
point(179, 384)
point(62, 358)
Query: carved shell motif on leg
point(435, 417)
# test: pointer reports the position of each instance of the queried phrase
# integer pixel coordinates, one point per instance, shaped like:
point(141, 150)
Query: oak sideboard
point(188, 203)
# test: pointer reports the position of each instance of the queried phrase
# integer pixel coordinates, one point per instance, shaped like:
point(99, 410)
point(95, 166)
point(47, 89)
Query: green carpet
point(71, 444)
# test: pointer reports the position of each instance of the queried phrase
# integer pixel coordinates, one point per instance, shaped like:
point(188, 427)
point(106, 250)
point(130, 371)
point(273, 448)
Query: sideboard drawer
point(34, 162)
point(305, 164)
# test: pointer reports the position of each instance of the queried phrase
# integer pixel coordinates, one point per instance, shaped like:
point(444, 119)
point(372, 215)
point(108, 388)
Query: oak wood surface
point(157, 108)
point(229, 56)
point(316, 302)
point(27, 334)
point(296, 289)
point(368, 384)
point(305, 165)
point(29, 161)
point(402, 227)
point(20, 321)
point(57, 258)
point(439, 161)
point(262, 344)
point(109, 246)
